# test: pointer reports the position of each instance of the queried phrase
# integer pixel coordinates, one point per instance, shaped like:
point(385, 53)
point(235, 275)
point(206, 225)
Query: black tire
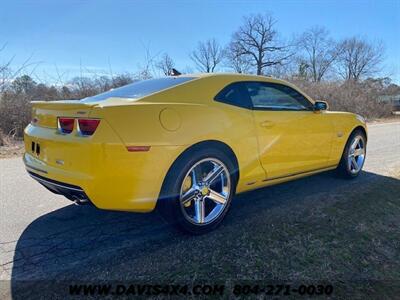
point(344, 168)
point(169, 204)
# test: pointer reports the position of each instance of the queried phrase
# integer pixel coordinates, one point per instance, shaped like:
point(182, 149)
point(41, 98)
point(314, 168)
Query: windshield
point(139, 89)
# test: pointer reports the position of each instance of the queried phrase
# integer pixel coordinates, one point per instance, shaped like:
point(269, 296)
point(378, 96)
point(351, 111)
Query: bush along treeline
point(340, 72)
point(15, 107)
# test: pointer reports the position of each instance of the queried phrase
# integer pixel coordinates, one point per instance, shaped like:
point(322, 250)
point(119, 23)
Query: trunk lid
point(45, 113)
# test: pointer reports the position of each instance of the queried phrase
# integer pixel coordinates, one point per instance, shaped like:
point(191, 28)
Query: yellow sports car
point(186, 144)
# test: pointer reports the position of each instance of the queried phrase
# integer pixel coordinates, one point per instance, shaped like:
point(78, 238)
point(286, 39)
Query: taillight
point(88, 126)
point(66, 125)
point(34, 121)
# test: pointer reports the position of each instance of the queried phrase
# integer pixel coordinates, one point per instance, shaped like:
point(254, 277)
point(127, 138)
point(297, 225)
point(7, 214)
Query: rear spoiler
point(62, 104)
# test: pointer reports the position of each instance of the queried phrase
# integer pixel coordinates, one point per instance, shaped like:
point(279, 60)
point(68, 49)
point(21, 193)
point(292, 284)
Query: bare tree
point(207, 55)
point(4, 66)
point(236, 61)
point(165, 64)
point(146, 69)
point(7, 74)
point(320, 52)
point(284, 71)
point(83, 86)
point(258, 40)
point(121, 80)
point(359, 58)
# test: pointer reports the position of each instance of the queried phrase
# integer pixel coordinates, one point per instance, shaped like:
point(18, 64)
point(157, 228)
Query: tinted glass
point(234, 94)
point(139, 89)
point(276, 97)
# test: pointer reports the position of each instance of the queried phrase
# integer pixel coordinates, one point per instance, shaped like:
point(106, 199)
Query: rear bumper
point(72, 192)
point(124, 187)
point(104, 172)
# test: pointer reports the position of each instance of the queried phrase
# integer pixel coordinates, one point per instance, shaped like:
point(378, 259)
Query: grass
point(318, 229)
point(315, 230)
point(352, 237)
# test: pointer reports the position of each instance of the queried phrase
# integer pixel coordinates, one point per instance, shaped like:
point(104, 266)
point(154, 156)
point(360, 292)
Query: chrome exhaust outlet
point(81, 202)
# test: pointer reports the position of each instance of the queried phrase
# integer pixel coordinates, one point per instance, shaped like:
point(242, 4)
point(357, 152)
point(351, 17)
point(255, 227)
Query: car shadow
point(83, 243)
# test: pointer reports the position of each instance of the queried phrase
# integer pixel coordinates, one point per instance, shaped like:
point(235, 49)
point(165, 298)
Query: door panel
point(291, 142)
point(292, 137)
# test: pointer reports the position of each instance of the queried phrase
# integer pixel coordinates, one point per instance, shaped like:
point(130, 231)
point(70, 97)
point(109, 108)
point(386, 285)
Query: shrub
point(15, 107)
point(15, 113)
point(359, 98)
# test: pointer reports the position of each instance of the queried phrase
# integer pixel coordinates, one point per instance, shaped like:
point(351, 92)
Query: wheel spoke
point(195, 180)
point(354, 163)
point(188, 196)
point(199, 210)
point(216, 197)
point(209, 179)
point(355, 143)
point(359, 152)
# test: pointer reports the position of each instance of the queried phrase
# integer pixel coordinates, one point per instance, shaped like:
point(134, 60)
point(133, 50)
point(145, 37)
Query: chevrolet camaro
point(187, 144)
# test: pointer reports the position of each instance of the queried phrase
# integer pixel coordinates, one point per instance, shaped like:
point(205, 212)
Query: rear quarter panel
point(185, 116)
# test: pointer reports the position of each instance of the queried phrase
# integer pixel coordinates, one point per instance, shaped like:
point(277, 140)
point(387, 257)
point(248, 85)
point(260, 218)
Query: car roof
point(233, 77)
point(223, 75)
point(238, 77)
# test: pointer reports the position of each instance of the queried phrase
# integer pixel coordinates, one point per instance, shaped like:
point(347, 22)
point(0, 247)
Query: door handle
point(267, 124)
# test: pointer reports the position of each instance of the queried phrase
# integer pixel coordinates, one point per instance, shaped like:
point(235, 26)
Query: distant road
point(43, 235)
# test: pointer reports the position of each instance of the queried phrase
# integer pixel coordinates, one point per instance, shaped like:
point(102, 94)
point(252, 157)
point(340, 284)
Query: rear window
point(139, 89)
point(234, 94)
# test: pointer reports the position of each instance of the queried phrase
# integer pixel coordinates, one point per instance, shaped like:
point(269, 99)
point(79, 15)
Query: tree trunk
point(1, 138)
point(259, 70)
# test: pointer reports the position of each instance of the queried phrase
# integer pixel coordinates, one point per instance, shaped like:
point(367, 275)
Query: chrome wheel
point(356, 154)
point(205, 191)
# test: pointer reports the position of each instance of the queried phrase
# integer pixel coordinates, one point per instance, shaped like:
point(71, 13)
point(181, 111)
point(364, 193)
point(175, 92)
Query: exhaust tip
point(80, 202)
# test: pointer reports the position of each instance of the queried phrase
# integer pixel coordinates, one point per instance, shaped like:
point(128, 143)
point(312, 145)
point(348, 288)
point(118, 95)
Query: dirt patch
point(13, 149)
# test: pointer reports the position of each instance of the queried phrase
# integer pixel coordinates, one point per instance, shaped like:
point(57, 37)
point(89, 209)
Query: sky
point(67, 37)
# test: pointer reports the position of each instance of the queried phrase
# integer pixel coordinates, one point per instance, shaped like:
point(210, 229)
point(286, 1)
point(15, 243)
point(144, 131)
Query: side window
point(234, 94)
point(272, 96)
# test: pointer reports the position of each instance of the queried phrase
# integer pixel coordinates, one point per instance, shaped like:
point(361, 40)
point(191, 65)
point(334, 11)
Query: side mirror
point(320, 105)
